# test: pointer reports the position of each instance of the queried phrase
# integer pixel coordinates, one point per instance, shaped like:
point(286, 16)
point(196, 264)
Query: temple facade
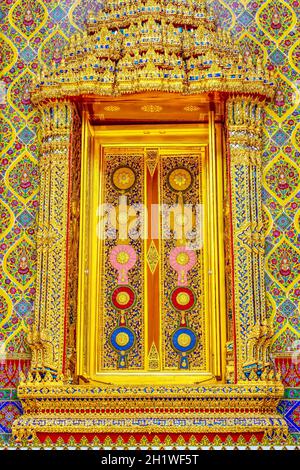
point(150, 256)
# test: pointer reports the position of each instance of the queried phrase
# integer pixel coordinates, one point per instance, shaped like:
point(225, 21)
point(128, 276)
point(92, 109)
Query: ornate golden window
point(147, 90)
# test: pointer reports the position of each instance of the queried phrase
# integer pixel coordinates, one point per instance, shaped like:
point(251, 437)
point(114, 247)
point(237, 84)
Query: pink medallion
point(123, 258)
point(182, 259)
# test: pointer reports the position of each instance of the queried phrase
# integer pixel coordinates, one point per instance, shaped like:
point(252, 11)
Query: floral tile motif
point(284, 264)
point(50, 50)
point(282, 178)
point(22, 177)
point(276, 19)
point(20, 261)
point(27, 18)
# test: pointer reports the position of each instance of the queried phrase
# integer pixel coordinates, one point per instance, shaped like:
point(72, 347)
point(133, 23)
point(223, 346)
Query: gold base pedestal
point(53, 410)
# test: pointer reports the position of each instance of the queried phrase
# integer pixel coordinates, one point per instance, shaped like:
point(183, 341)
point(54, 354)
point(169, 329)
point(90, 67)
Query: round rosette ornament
point(183, 298)
point(180, 179)
point(182, 260)
point(123, 178)
point(122, 339)
point(184, 340)
point(123, 258)
point(123, 297)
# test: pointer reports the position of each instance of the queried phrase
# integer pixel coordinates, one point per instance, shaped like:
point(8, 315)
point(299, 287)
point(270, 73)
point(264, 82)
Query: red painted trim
point(138, 436)
point(121, 411)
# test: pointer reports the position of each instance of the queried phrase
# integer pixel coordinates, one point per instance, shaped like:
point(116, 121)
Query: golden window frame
point(95, 139)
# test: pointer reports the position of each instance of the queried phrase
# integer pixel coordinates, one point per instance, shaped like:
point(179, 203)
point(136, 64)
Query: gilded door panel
point(183, 309)
point(122, 325)
point(152, 283)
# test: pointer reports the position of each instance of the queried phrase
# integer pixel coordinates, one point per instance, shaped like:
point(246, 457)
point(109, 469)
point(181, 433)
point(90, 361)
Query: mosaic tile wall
point(33, 31)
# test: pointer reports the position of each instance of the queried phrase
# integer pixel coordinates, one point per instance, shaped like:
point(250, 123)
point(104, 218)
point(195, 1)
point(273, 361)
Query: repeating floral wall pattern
point(33, 32)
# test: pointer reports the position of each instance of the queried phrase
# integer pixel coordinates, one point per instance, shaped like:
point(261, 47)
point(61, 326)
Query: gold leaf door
point(152, 313)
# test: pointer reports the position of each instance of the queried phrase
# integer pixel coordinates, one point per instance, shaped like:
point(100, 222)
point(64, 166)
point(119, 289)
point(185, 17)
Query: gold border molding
point(244, 141)
point(47, 336)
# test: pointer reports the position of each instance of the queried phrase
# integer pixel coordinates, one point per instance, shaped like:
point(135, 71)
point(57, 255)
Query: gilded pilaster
point(47, 336)
point(244, 147)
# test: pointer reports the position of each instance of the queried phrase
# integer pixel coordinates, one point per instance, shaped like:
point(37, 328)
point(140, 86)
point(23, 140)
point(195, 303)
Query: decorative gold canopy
point(152, 45)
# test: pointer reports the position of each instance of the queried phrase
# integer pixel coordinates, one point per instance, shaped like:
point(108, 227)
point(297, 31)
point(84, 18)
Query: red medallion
point(123, 298)
point(182, 298)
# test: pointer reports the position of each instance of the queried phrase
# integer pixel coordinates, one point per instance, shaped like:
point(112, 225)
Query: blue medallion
point(122, 339)
point(184, 340)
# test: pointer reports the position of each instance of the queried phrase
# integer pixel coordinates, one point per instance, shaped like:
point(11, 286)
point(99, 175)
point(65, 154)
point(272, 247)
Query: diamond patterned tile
point(25, 218)
point(23, 307)
point(277, 57)
point(245, 18)
point(26, 135)
point(58, 13)
point(280, 137)
point(283, 221)
point(27, 54)
point(287, 308)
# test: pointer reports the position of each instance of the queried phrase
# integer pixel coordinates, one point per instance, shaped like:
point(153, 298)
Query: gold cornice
point(151, 45)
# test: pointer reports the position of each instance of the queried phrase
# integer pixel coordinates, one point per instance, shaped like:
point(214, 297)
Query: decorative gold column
point(47, 337)
point(252, 332)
